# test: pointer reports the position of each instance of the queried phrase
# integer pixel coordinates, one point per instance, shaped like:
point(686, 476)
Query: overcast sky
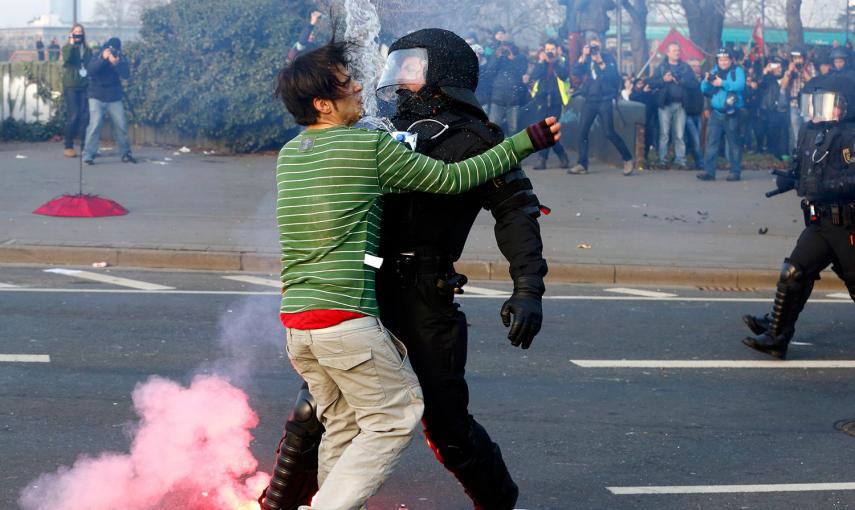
point(16, 13)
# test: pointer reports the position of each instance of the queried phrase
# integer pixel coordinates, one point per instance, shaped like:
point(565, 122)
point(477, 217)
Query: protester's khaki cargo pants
point(369, 401)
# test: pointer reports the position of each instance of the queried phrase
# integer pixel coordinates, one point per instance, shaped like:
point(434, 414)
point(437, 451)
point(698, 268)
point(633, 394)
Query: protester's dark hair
point(552, 42)
point(313, 75)
point(83, 42)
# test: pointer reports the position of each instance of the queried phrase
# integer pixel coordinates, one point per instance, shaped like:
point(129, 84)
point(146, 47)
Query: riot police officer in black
point(823, 173)
point(432, 75)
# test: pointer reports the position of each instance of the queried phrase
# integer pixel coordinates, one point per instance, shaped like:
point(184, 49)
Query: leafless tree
point(795, 30)
point(637, 10)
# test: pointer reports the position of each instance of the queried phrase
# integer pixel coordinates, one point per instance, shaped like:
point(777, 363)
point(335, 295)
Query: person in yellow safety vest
point(550, 93)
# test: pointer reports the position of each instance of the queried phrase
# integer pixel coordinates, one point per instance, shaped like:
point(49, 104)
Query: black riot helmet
point(829, 98)
point(435, 58)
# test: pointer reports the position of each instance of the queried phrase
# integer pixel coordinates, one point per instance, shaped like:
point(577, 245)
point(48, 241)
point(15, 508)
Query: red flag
point(757, 35)
point(688, 49)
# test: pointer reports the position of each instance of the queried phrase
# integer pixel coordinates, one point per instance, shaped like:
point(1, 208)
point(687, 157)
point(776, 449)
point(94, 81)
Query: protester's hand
point(523, 312)
point(544, 134)
point(668, 77)
point(526, 78)
point(586, 50)
point(313, 18)
point(598, 59)
point(541, 57)
point(106, 54)
point(716, 82)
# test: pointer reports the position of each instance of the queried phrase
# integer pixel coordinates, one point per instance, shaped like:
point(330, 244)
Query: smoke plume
point(190, 451)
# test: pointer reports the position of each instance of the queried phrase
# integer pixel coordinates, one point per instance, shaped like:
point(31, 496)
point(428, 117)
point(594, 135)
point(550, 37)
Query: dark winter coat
point(674, 91)
point(105, 79)
point(506, 75)
point(598, 84)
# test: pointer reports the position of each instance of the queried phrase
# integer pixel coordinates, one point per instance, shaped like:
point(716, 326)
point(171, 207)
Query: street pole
point(848, 8)
point(74, 6)
point(763, 24)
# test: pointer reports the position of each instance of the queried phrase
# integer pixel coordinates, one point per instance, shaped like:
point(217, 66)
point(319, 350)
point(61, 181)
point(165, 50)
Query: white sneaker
point(578, 170)
point(628, 167)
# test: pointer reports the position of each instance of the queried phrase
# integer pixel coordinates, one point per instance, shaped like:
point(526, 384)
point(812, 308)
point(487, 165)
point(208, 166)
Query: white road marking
point(800, 343)
point(7, 286)
point(726, 489)
point(255, 281)
point(839, 295)
point(642, 293)
point(462, 296)
point(481, 291)
point(24, 358)
point(113, 280)
point(710, 363)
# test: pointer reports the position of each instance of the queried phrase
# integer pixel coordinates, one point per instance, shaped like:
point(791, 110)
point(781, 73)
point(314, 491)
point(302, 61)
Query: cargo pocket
point(356, 377)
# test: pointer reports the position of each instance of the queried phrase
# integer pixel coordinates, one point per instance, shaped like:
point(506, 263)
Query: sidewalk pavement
point(217, 212)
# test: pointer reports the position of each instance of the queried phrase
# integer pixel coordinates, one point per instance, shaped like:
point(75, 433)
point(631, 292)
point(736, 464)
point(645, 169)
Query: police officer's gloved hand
point(785, 182)
point(526, 308)
point(544, 134)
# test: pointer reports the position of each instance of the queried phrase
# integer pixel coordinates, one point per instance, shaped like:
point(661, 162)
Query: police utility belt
point(842, 214)
point(409, 265)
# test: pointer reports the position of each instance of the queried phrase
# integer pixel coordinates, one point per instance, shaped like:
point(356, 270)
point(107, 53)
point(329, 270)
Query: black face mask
point(77, 38)
point(418, 105)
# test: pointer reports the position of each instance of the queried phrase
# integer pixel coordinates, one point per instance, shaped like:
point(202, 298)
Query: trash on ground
point(208, 153)
point(20, 156)
point(167, 159)
point(184, 149)
point(161, 163)
point(176, 153)
point(583, 246)
point(100, 264)
point(578, 214)
point(763, 231)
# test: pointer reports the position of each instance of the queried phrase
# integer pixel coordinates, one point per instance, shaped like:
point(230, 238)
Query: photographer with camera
point(550, 93)
point(106, 71)
point(672, 79)
point(799, 72)
point(600, 86)
point(75, 56)
point(774, 107)
point(508, 92)
point(724, 85)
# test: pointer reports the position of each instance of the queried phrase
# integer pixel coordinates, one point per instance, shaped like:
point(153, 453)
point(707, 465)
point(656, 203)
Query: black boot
point(295, 475)
point(756, 323)
point(790, 298)
point(482, 472)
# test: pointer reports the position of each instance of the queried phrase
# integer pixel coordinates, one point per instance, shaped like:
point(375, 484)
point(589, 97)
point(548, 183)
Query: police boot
point(482, 472)
point(758, 324)
point(295, 475)
point(790, 299)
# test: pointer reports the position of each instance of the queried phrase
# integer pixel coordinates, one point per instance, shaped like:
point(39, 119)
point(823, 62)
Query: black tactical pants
point(823, 243)
point(426, 319)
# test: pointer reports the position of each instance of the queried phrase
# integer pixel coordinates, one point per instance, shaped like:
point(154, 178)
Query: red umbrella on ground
point(81, 205)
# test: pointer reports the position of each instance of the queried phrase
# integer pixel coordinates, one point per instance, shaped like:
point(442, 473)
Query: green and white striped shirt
point(330, 183)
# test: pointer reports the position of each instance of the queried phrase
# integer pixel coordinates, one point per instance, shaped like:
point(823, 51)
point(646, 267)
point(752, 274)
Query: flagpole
point(763, 25)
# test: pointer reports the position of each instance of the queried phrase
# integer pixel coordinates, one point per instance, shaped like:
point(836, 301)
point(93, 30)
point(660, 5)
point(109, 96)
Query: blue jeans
point(116, 111)
point(720, 124)
point(505, 116)
point(672, 116)
point(795, 123)
point(693, 137)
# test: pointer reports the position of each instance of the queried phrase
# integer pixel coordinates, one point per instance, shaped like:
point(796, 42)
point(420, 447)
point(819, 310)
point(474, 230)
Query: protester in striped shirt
point(330, 182)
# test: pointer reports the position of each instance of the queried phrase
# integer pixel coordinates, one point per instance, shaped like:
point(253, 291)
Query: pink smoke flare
point(190, 451)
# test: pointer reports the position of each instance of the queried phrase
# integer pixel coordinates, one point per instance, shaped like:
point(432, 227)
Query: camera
point(550, 54)
point(595, 50)
point(114, 51)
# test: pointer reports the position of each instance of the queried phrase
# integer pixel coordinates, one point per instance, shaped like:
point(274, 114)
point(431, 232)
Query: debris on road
point(100, 264)
point(583, 246)
point(20, 156)
point(184, 149)
point(763, 231)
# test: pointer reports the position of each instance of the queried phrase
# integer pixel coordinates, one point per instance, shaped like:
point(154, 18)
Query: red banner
point(688, 49)
point(757, 35)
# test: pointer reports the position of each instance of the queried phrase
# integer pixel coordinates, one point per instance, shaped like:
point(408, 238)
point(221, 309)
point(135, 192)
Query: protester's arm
point(656, 81)
point(400, 169)
point(69, 58)
point(96, 63)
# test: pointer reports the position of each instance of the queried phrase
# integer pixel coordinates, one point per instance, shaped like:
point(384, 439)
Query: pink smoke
point(191, 451)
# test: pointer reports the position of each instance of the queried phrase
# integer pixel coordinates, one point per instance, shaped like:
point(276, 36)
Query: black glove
point(526, 308)
point(785, 181)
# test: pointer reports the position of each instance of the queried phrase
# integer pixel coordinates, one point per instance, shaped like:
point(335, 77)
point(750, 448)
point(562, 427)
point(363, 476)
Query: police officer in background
point(432, 75)
point(823, 172)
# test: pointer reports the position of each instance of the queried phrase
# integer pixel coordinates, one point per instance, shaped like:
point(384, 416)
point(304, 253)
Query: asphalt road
point(575, 437)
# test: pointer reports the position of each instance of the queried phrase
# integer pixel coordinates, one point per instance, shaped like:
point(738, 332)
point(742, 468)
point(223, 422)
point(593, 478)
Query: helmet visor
point(403, 67)
point(827, 107)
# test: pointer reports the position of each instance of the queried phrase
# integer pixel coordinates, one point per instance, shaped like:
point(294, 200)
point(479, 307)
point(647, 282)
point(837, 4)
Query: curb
point(719, 278)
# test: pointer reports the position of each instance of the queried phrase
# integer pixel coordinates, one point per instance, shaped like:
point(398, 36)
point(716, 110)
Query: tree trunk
point(638, 32)
point(795, 31)
point(706, 22)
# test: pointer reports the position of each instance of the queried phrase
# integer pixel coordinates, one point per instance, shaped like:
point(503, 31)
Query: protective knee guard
point(480, 469)
point(295, 474)
point(793, 291)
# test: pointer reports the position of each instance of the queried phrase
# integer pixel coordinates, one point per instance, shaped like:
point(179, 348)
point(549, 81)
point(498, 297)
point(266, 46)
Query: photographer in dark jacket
point(774, 107)
point(550, 93)
point(106, 71)
point(694, 110)
point(600, 86)
point(672, 80)
point(75, 56)
point(506, 70)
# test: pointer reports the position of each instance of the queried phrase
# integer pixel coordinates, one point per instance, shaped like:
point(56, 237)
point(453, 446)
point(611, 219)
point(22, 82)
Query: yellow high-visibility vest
point(563, 88)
